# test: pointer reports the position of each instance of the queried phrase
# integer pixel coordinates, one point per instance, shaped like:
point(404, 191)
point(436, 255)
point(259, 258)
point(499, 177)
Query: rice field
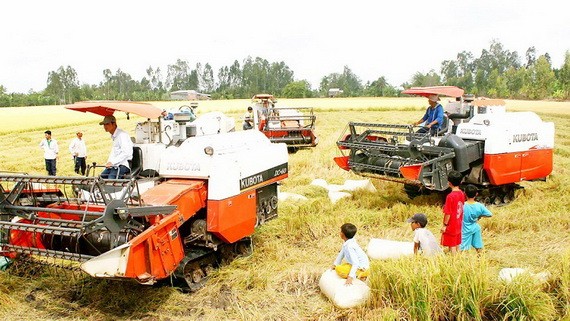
point(279, 281)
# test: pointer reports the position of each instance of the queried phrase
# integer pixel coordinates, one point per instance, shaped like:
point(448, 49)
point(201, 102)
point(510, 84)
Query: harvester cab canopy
point(108, 107)
point(450, 91)
point(260, 98)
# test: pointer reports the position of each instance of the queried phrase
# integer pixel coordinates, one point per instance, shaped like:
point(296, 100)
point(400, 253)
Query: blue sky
point(314, 38)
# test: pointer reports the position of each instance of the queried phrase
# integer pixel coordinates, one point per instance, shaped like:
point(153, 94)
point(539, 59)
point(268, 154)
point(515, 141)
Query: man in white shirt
point(122, 152)
point(248, 119)
point(78, 150)
point(51, 150)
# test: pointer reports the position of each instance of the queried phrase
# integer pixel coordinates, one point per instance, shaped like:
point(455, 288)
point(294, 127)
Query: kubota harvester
point(493, 149)
point(196, 192)
point(292, 126)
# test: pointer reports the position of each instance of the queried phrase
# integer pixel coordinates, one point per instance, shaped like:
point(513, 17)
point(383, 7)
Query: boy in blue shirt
point(472, 212)
point(357, 262)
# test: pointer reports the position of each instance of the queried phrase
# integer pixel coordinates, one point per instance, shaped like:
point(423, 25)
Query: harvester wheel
point(509, 196)
point(208, 269)
point(244, 247)
point(260, 218)
point(197, 275)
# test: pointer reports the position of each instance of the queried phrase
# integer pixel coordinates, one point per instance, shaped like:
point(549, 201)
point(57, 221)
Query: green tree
point(379, 88)
point(540, 79)
point(530, 56)
point(207, 82)
point(514, 81)
point(349, 82)
point(429, 79)
point(497, 86)
point(328, 82)
point(178, 76)
point(63, 84)
point(564, 77)
point(153, 83)
point(119, 86)
point(450, 72)
point(458, 72)
point(297, 89)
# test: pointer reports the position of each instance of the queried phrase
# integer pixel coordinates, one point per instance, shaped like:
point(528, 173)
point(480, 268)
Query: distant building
point(335, 92)
point(188, 95)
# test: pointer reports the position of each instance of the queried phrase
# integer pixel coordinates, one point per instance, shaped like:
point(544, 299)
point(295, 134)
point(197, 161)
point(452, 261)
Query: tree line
point(496, 73)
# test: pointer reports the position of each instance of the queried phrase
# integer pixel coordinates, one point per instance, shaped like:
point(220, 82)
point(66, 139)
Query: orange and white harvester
point(196, 193)
point(294, 126)
point(494, 149)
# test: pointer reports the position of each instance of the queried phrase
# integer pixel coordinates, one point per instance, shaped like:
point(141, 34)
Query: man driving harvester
point(118, 163)
point(433, 117)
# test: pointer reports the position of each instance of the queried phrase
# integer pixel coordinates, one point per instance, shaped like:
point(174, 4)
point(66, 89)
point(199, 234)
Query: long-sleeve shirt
point(432, 114)
point(50, 148)
point(77, 147)
point(354, 255)
point(122, 150)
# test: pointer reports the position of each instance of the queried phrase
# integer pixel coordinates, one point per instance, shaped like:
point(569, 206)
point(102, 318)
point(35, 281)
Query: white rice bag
point(343, 296)
point(387, 249)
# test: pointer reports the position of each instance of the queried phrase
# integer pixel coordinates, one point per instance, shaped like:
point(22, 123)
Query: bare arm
point(445, 222)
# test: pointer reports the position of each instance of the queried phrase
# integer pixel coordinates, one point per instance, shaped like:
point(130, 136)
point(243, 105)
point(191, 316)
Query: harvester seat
point(136, 164)
point(444, 127)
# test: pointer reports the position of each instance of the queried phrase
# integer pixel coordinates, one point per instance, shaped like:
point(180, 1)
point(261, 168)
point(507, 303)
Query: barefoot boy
point(472, 212)
point(357, 262)
point(453, 213)
point(424, 240)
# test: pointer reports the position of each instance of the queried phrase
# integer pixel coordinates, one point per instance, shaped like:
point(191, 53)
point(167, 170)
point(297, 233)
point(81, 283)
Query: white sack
point(343, 296)
point(365, 184)
point(387, 249)
point(320, 182)
point(335, 196)
point(508, 274)
point(284, 196)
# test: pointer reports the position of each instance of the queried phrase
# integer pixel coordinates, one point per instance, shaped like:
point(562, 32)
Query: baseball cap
point(418, 218)
point(108, 119)
point(433, 97)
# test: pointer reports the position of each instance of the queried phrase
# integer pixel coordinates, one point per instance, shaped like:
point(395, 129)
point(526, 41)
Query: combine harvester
point(493, 149)
point(195, 194)
point(292, 126)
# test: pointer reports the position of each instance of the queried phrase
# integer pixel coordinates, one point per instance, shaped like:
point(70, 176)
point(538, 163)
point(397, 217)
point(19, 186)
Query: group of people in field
point(77, 148)
point(117, 164)
point(460, 231)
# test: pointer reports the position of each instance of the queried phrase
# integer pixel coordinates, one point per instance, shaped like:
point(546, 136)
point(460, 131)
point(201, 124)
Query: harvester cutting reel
point(68, 219)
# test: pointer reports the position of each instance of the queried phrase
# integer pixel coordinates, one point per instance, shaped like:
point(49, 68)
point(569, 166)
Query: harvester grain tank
point(494, 149)
point(196, 192)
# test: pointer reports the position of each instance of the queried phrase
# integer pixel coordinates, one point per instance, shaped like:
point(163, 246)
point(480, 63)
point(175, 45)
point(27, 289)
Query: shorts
point(343, 269)
point(450, 239)
point(471, 240)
